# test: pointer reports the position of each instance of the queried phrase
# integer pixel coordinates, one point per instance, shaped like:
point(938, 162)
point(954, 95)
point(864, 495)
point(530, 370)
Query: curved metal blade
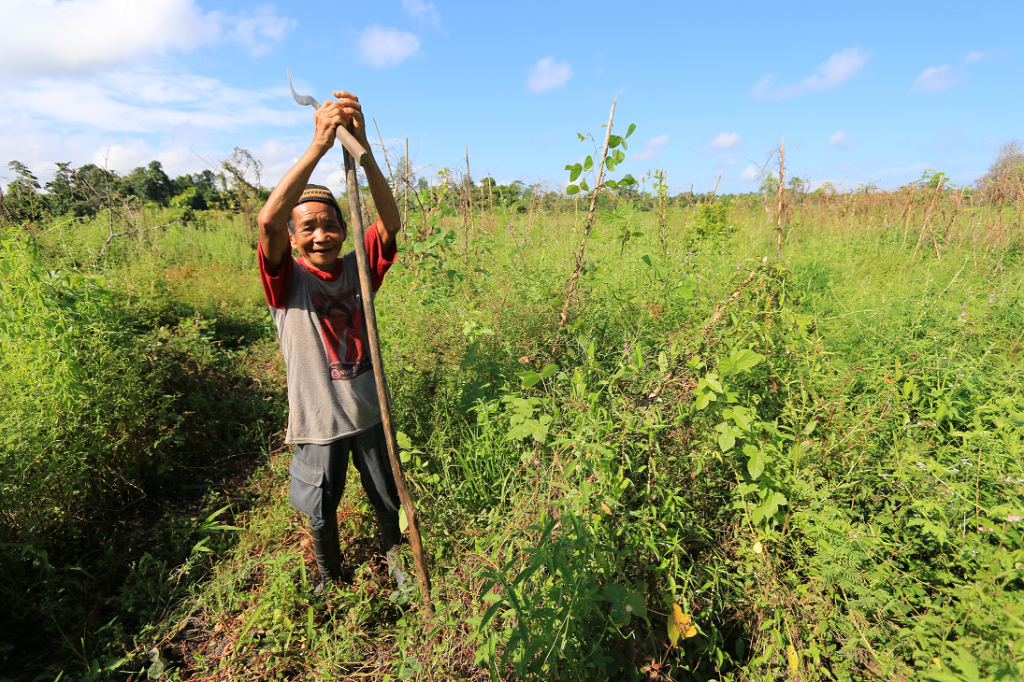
point(304, 100)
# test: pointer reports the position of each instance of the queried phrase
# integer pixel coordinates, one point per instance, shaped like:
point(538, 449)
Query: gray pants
point(318, 477)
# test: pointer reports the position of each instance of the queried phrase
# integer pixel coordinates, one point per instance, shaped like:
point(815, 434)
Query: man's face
point(318, 234)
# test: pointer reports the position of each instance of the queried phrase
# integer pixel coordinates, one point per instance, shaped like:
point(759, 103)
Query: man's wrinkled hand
point(352, 110)
point(326, 120)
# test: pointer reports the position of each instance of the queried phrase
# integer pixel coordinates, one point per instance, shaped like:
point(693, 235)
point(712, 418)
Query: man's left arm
point(390, 221)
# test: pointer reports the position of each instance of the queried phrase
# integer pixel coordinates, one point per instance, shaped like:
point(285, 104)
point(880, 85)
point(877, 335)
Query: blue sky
point(865, 92)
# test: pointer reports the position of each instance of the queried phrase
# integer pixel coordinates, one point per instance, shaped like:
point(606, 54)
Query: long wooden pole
point(383, 394)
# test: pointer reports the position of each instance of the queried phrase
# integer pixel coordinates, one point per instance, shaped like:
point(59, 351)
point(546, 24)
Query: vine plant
point(601, 184)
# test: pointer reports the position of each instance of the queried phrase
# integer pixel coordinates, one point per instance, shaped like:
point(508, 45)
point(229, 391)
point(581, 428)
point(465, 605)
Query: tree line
point(85, 191)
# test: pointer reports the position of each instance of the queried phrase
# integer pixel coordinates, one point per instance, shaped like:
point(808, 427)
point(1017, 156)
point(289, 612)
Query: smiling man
point(317, 306)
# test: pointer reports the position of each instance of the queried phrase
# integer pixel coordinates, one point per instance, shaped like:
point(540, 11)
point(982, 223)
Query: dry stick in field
point(384, 150)
point(589, 222)
point(709, 325)
point(490, 196)
point(139, 230)
point(405, 187)
point(469, 203)
point(713, 320)
point(782, 193)
point(383, 394)
point(927, 216)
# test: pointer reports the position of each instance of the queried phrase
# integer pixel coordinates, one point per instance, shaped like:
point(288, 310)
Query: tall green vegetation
point(726, 465)
point(75, 402)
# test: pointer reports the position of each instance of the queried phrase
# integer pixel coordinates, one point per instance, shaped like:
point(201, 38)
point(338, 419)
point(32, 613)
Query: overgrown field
point(735, 461)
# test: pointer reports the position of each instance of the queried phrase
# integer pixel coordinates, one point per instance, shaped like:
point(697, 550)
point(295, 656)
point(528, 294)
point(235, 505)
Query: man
point(316, 303)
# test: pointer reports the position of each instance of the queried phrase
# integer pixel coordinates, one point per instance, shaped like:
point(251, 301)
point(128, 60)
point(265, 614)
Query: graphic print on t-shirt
point(341, 327)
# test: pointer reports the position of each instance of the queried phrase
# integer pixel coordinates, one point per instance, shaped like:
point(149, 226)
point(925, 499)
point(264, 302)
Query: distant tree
point(150, 183)
point(23, 201)
point(1005, 177)
point(65, 195)
point(206, 193)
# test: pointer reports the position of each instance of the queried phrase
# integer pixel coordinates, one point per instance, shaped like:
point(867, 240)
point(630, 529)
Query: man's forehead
point(314, 209)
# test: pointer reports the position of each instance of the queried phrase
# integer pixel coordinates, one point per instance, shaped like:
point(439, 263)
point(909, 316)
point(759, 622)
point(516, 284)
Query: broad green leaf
point(687, 287)
point(548, 371)
point(614, 141)
point(529, 378)
point(711, 379)
point(755, 463)
point(632, 127)
point(739, 361)
point(584, 185)
point(588, 163)
point(403, 521)
point(647, 261)
point(635, 604)
point(609, 163)
point(908, 387)
point(576, 170)
point(726, 440)
point(572, 189)
point(619, 156)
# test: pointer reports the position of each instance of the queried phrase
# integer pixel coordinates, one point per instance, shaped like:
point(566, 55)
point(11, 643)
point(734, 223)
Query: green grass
point(826, 483)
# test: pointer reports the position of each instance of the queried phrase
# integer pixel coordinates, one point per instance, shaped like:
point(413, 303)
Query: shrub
point(72, 391)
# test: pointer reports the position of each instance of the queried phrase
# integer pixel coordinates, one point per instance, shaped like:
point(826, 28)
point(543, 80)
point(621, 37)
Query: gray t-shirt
point(320, 324)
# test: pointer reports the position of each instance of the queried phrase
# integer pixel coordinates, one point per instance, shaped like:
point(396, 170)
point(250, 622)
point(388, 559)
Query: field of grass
point(731, 464)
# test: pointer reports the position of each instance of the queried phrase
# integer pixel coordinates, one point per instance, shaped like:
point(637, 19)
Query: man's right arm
point(273, 218)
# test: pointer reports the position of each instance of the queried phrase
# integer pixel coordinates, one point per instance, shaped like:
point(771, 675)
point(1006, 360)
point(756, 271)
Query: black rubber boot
point(327, 551)
point(390, 539)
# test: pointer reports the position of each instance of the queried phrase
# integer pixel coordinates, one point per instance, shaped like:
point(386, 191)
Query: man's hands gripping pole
point(346, 114)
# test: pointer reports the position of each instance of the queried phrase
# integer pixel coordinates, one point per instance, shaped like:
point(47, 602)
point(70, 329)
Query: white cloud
point(139, 115)
point(936, 79)
point(547, 74)
point(259, 32)
point(645, 155)
point(147, 100)
point(45, 37)
point(651, 150)
point(383, 46)
point(975, 56)
point(725, 140)
point(749, 173)
point(839, 68)
point(840, 140)
point(423, 11)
